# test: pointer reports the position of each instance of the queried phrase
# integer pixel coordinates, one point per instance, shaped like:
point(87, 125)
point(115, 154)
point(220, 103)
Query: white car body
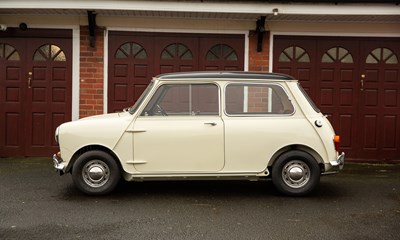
point(223, 145)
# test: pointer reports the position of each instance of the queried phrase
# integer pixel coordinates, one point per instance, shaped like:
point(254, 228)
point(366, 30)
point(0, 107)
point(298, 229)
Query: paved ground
point(363, 202)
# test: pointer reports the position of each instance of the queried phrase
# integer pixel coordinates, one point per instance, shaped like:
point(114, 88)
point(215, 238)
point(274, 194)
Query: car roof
point(222, 75)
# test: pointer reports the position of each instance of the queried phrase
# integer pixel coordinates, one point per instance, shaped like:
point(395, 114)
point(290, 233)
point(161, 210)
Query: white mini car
point(205, 125)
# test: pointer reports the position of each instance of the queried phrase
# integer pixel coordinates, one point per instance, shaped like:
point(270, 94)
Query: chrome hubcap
point(96, 173)
point(296, 174)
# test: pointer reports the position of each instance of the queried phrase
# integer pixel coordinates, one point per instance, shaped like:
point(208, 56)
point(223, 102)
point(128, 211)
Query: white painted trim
point(208, 7)
point(76, 46)
point(105, 84)
point(105, 72)
point(319, 34)
point(271, 51)
point(337, 34)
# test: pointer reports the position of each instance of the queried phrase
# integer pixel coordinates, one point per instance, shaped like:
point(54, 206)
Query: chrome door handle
point(211, 123)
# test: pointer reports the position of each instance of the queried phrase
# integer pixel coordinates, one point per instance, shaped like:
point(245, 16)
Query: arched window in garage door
point(294, 53)
point(132, 50)
point(221, 52)
point(49, 52)
point(339, 54)
point(129, 75)
point(221, 57)
point(176, 51)
point(384, 55)
point(8, 52)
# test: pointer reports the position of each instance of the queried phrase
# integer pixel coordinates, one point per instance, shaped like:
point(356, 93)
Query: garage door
point(35, 90)
point(135, 57)
point(356, 82)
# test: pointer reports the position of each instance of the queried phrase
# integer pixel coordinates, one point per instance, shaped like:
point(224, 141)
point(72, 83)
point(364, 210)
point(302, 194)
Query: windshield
point(141, 98)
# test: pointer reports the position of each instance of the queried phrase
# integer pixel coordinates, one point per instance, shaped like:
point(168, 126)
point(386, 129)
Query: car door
point(180, 131)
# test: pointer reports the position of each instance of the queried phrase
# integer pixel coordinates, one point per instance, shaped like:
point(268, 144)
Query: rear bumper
point(58, 164)
point(335, 165)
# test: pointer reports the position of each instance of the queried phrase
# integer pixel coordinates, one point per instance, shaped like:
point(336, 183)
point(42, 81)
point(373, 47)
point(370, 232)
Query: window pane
point(184, 100)
point(299, 52)
point(204, 99)
point(60, 57)
point(283, 58)
point(257, 99)
point(289, 52)
point(304, 58)
point(377, 53)
point(326, 59)
point(392, 60)
point(120, 54)
point(371, 59)
point(347, 59)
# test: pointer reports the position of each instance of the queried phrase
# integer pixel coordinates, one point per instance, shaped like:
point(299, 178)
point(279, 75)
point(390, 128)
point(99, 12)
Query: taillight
point(336, 140)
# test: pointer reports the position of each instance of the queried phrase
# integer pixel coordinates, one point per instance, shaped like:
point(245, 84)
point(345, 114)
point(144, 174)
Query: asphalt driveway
point(362, 202)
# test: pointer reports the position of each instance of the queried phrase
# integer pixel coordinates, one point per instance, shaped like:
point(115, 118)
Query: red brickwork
point(91, 73)
point(258, 61)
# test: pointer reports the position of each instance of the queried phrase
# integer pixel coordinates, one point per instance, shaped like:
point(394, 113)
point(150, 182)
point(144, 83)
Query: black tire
point(96, 173)
point(295, 173)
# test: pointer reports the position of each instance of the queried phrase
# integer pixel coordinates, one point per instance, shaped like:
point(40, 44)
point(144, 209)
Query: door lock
point(362, 82)
point(29, 79)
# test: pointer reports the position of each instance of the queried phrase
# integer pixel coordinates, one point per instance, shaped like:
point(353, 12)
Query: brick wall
point(258, 61)
point(91, 73)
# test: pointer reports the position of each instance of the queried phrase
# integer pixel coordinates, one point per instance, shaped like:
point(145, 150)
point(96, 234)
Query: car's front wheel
point(295, 173)
point(96, 173)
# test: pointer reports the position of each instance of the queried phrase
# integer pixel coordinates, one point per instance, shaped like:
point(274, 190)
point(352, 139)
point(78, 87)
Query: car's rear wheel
point(295, 173)
point(96, 173)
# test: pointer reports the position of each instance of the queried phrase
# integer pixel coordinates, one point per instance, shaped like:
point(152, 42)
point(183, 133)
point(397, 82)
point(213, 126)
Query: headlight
point(56, 134)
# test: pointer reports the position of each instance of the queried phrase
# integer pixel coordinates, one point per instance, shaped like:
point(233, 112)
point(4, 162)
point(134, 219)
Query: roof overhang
point(237, 10)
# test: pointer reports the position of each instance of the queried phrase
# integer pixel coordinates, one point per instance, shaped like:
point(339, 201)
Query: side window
point(184, 100)
point(257, 99)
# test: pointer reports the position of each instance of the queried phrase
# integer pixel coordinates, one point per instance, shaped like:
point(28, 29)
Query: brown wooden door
point(130, 72)
point(36, 91)
point(337, 89)
point(356, 82)
point(295, 57)
point(130, 68)
point(380, 99)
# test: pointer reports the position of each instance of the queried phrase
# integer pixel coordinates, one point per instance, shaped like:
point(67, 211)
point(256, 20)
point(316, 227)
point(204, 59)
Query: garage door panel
point(391, 76)
point(12, 129)
point(13, 73)
point(370, 136)
point(140, 73)
point(327, 75)
point(390, 137)
point(346, 97)
point(371, 97)
point(120, 71)
point(121, 92)
point(346, 126)
point(347, 75)
point(38, 128)
point(327, 96)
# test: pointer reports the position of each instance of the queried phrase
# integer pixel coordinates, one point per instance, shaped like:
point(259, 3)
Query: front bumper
point(336, 165)
point(58, 164)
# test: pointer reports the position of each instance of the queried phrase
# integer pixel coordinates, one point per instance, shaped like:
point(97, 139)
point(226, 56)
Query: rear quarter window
point(257, 99)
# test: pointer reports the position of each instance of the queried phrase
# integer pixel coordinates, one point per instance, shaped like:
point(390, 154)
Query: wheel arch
point(299, 147)
point(91, 148)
